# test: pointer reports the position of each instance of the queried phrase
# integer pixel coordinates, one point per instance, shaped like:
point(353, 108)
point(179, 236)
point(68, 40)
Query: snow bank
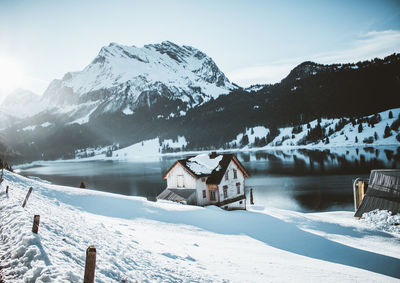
point(143, 241)
point(382, 220)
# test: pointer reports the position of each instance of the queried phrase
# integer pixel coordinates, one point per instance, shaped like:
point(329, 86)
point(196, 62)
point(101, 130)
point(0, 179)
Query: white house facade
point(207, 179)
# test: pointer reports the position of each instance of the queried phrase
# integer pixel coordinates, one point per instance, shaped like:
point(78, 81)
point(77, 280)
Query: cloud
point(368, 46)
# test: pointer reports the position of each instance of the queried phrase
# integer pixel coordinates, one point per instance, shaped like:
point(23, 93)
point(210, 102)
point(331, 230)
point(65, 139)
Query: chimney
point(213, 154)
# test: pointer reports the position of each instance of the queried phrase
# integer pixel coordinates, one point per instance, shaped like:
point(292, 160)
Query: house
point(207, 179)
point(383, 192)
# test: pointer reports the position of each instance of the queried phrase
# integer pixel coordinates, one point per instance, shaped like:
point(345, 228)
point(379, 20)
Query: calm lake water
point(301, 180)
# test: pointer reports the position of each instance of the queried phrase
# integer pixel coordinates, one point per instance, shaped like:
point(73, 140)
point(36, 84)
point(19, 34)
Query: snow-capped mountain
point(148, 100)
point(22, 103)
point(122, 78)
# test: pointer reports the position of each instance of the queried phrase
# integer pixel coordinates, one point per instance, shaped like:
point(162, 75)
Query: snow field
point(143, 241)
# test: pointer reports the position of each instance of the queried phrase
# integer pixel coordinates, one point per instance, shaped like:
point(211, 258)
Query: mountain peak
point(119, 75)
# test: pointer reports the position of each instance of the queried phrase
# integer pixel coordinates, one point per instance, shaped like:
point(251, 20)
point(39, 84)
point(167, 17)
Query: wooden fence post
point(7, 190)
point(35, 227)
point(27, 196)
point(90, 265)
point(251, 196)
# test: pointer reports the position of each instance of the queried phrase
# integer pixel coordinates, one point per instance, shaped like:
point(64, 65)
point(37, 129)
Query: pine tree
point(360, 128)
point(387, 133)
point(245, 140)
point(356, 139)
point(390, 115)
point(376, 136)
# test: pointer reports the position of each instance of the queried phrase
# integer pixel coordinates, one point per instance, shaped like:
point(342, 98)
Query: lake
point(297, 179)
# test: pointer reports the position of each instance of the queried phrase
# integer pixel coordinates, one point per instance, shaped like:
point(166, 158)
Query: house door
point(180, 181)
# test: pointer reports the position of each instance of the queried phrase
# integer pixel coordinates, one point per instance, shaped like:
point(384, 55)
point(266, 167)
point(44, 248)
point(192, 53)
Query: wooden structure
point(359, 190)
point(27, 196)
point(383, 192)
point(90, 265)
point(207, 179)
point(36, 221)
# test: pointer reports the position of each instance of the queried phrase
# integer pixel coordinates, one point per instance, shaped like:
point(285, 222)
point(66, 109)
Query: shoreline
point(102, 157)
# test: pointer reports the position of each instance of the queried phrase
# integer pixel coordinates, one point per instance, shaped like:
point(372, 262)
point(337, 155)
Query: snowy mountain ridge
point(121, 78)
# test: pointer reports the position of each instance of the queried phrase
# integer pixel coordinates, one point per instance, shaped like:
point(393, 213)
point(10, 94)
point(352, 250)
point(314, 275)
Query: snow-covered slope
point(335, 136)
point(142, 241)
point(22, 103)
point(347, 136)
point(121, 78)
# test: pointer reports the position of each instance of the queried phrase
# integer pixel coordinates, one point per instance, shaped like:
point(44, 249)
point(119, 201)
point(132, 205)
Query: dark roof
point(383, 192)
point(217, 174)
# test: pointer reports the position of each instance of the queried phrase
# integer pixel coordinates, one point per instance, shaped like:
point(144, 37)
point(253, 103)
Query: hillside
point(138, 240)
point(311, 91)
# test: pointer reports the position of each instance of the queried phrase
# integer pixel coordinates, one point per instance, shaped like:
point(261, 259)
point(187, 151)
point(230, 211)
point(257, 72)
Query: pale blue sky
point(251, 41)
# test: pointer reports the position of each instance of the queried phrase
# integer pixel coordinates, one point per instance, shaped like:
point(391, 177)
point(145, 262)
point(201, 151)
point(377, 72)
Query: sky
point(252, 42)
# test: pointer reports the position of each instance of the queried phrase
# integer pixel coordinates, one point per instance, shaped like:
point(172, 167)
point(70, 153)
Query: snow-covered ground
point(344, 137)
point(143, 241)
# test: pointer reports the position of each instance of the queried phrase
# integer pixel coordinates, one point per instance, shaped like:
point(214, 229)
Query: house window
point(226, 176)
point(204, 194)
point(225, 191)
point(179, 181)
point(240, 202)
point(238, 188)
point(234, 174)
point(212, 195)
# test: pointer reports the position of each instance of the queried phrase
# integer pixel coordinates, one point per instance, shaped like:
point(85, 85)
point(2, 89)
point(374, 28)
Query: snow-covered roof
point(204, 164)
point(211, 165)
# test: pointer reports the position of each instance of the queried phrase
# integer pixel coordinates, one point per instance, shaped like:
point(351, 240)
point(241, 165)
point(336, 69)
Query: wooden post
point(251, 196)
point(27, 196)
point(90, 265)
point(362, 192)
point(360, 187)
point(35, 227)
point(7, 190)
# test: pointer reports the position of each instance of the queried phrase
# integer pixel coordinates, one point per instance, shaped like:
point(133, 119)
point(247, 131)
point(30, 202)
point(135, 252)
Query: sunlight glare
point(11, 74)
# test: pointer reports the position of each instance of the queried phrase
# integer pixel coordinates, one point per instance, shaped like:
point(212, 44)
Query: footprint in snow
point(190, 258)
point(172, 256)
